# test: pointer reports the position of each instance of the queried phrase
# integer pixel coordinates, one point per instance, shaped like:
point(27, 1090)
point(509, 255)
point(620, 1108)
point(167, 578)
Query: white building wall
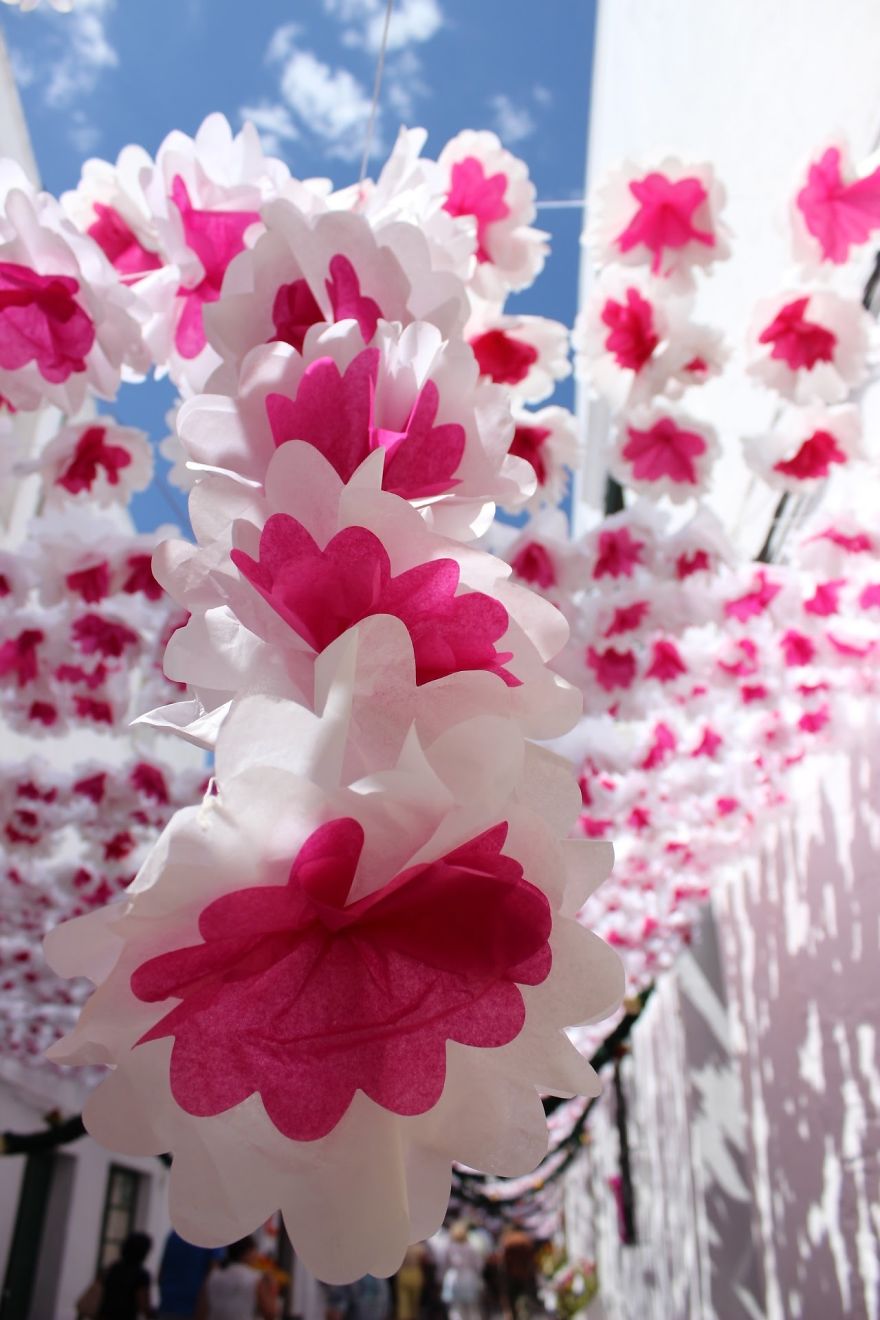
point(754, 87)
point(72, 1228)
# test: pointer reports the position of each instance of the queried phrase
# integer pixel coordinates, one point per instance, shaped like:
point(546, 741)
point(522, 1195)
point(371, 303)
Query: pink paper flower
point(99, 460)
point(490, 188)
point(547, 440)
point(807, 446)
point(667, 218)
point(290, 901)
point(66, 323)
point(811, 345)
point(322, 593)
point(837, 208)
point(612, 668)
point(444, 434)
point(319, 268)
point(528, 354)
point(664, 453)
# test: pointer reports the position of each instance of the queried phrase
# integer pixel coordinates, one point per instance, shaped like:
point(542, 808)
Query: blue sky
point(119, 71)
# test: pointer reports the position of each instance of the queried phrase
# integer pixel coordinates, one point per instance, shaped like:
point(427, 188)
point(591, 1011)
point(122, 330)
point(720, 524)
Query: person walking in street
point(238, 1291)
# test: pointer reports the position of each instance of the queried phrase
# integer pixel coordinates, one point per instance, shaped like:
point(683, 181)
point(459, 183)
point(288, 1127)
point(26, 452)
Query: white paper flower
point(807, 446)
point(67, 325)
point(667, 217)
point(307, 270)
point(837, 207)
point(352, 1137)
point(810, 344)
point(660, 451)
point(97, 460)
point(445, 432)
point(547, 439)
point(527, 354)
point(257, 589)
point(490, 188)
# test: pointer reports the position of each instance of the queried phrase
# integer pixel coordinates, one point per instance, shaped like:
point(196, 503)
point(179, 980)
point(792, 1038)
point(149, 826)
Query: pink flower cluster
point(369, 918)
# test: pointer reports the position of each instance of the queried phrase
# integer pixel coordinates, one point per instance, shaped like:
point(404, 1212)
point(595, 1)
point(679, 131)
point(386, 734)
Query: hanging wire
point(377, 89)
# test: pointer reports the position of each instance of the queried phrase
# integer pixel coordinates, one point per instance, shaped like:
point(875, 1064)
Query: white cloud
point(412, 21)
point(83, 133)
point(282, 43)
point(86, 53)
point(274, 123)
point(332, 103)
point(404, 85)
point(23, 69)
point(543, 96)
point(512, 123)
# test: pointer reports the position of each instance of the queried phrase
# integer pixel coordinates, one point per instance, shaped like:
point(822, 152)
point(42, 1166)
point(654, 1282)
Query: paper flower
point(634, 341)
point(314, 269)
point(667, 218)
point(110, 205)
point(547, 439)
point(528, 354)
point(806, 447)
point(445, 434)
point(66, 323)
point(271, 589)
point(837, 209)
point(98, 459)
point(325, 902)
point(811, 345)
point(488, 186)
point(662, 452)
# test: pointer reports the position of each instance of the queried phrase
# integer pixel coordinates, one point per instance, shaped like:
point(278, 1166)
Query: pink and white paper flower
point(317, 269)
point(547, 439)
point(490, 188)
point(661, 451)
point(837, 208)
point(67, 325)
point(276, 581)
point(445, 433)
point(528, 354)
point(97, 460)
point(667, 218)
point(807, 446)
point(810, 344)
point(302, 883)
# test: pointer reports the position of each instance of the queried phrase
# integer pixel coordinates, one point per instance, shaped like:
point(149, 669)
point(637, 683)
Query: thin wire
point(563, 204)
point(377, 88)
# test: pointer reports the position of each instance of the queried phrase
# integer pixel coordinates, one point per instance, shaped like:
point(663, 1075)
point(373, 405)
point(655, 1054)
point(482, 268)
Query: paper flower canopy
point(291, 970)
point(445, 434)
point(811, 345)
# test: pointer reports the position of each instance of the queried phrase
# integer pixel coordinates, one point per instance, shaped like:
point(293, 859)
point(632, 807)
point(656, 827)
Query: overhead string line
point(377, 91)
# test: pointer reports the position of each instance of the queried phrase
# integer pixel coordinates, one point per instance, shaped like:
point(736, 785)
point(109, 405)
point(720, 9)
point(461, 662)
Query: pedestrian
point(237, 1290)
point(519, 1277)
point(122, 1291)
point(409, 1283)
point(368, 1298)
point(182, 1273)
point(463, 1280)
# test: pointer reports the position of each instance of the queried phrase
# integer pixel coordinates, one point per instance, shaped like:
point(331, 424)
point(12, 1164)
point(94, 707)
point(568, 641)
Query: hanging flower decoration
point(98, 460)
point(807, 446)
point(490, 189)
point(528, 354)
point(66, 323)
point(662, 452)
point(547, 439)
point(811, 345)
point(667, 219)
point(837, 209)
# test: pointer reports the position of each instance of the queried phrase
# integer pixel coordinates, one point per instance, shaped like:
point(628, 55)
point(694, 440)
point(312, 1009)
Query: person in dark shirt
point(125, 1286)
point(183, 1270)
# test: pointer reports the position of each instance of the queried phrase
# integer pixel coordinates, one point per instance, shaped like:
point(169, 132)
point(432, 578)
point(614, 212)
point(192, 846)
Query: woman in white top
point(237, 1291)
